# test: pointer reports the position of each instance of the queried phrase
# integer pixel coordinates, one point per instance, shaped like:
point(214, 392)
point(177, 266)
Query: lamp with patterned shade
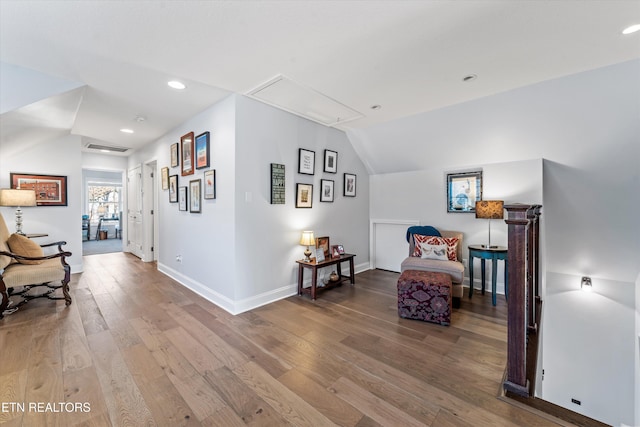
point(17, 198)
point(307, 240)
point(490, 209)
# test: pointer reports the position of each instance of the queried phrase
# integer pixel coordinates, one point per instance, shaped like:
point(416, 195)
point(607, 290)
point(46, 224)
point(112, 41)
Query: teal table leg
point(494, 274)
point(470, 276)
point(482, 264)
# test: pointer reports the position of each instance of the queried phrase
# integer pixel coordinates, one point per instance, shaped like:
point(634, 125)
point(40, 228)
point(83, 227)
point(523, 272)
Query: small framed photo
point(164, 173)
point(306, 161)
point(173, 189)
point(186, 148)
point(195, 195)
point(304, 195)
point(349, 185)
point(463, 190)
point(326, 190)
point(340, 249)
point(323, 243)
point(182, 198)
point(202, 150)
point(335, 251)
point(330, 161)
point(319, 255)
point(210, 184)
point(175, 158)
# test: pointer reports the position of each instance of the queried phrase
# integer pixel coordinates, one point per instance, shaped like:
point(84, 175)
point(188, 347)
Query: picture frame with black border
point(175, 158)
point(210, 184)
point(51, 190)
point(173, 189)
point(349, 185)
point(330, 161)
point(202, 150)
point(326, 190)
point(306, 161)
point(183, 199)
point(323, 242)
point(304, 195)
point(195, 196)
point(464, 189)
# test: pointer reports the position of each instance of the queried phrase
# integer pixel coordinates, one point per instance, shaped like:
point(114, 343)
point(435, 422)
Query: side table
point(493, 253)
point(314, 266)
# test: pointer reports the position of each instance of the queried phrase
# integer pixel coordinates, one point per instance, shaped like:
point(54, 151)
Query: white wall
point(267, 235)
point(55, 157)
point(586, 128)
point(206, 240)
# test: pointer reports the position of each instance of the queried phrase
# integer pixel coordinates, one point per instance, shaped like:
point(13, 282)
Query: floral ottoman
point(425, 295)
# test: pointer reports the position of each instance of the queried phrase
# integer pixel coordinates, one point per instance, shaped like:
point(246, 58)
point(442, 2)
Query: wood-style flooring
point(137, 349)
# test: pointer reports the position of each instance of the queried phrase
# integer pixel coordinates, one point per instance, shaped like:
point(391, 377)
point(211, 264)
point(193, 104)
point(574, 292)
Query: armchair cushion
point(23, 246)
point(49, 270)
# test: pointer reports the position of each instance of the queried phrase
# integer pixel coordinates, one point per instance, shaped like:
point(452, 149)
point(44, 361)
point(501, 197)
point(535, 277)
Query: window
point(104, 201)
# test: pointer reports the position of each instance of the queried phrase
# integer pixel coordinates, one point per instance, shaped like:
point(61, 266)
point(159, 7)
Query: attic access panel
point(288, 95)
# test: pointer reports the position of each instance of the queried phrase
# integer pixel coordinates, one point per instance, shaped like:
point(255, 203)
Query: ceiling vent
point(288, 95)
point(92, 146)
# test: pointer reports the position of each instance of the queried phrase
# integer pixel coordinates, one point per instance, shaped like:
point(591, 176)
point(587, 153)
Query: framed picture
point(174, 155)
point(202, 150)
point(349, 185)
point(326, 190)
point(306, 161)
point(164, 174)
point(51, 190)
point(323, 243)
point(186, 149)
point(335, 251)
point(182, 198)
point(463, 190)
point(195, 195)
point(340, 249)
point(330, 161)
point(210, 184)
point(304, 195)
point(319, 255)
point(277, 184)
point(173, 189)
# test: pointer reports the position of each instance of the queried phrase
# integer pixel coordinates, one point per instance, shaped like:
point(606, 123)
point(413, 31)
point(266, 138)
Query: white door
point(134, 212)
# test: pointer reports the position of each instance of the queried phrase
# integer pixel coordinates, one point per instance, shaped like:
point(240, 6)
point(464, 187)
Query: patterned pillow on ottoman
point(425, 295)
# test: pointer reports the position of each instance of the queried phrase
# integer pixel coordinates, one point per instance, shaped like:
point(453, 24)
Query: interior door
point(134, 212)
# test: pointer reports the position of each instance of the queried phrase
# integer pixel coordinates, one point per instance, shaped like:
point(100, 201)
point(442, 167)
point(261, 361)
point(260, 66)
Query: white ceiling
point(407, 56)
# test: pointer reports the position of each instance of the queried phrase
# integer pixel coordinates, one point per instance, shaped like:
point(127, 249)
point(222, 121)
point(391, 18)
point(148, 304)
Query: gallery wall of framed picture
point(191, 155)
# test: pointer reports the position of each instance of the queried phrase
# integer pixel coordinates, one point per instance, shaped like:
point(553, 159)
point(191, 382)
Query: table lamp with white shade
point(17, 198)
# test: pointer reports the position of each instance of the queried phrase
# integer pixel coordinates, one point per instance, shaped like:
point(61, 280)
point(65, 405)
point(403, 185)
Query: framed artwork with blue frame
point(464, 189)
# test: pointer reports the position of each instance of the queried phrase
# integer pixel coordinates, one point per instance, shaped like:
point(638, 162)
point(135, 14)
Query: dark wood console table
point(314, 266)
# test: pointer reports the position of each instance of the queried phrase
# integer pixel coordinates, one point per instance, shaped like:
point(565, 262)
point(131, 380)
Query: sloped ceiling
point(406, 56)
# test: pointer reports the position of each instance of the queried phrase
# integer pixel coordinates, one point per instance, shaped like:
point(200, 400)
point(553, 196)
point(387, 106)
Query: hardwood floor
point(135, 348)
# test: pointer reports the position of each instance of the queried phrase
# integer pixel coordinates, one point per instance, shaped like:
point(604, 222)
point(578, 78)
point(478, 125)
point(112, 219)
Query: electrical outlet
point(178, 258)
point(465, 262)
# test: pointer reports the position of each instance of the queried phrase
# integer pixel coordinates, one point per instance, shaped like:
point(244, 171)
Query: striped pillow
point(451, 242)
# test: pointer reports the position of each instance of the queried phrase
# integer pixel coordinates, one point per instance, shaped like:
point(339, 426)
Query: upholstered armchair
point(23, 266)
point(450, 262)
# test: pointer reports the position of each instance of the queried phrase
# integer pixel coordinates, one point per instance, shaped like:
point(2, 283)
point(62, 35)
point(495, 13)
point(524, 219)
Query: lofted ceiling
point(93, 67)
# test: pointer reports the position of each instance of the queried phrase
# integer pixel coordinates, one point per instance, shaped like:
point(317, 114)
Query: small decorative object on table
point(333, 277)
point(319, 255)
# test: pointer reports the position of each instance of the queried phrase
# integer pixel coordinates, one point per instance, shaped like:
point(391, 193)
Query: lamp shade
point(490, 209)
point(17, 198)
point(307, 238)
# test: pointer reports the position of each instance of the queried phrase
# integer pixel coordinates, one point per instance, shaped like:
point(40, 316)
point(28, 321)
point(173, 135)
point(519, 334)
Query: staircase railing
point(523, 297)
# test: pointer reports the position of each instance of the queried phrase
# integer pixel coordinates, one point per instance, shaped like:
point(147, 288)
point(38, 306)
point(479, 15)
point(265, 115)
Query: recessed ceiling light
point(631, 29)
point(469, 78)
point(176, 85)
point(376, 107)
point(126, 130)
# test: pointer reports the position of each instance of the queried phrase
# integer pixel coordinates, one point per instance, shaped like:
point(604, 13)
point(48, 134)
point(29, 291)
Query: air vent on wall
point(107, 148)
point(288, 95)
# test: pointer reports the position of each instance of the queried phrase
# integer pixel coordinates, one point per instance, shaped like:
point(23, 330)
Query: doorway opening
point(102, 212)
